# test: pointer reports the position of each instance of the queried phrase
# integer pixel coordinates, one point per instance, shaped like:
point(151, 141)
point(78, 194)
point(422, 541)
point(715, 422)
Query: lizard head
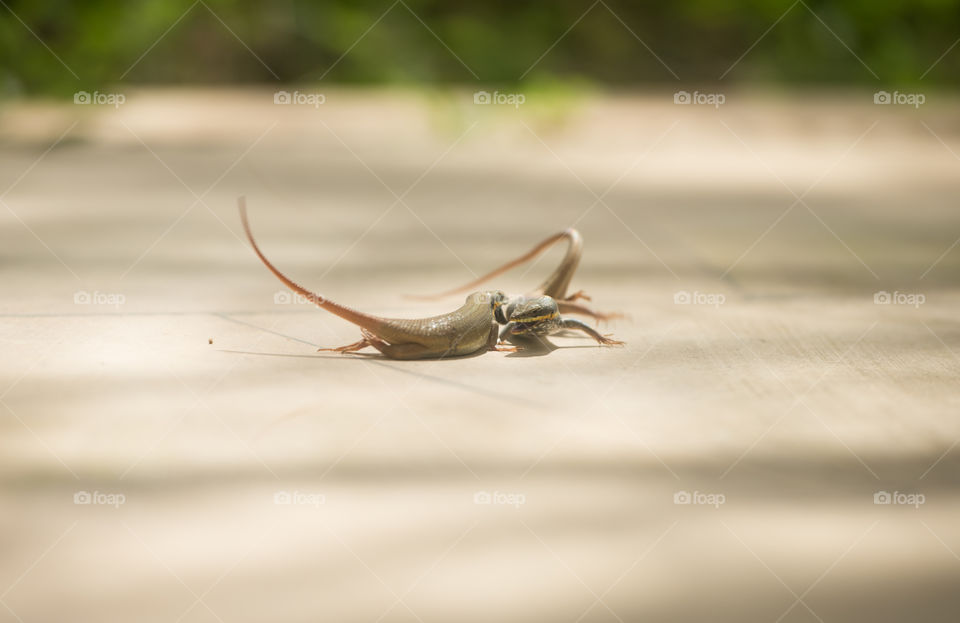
point(536, 316)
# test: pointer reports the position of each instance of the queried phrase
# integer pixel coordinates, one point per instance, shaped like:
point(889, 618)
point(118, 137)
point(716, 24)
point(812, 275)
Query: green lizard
point(469, 329)
point(555, 286)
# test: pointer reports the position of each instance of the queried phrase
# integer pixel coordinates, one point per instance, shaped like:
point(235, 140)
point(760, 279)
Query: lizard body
point(464, 331)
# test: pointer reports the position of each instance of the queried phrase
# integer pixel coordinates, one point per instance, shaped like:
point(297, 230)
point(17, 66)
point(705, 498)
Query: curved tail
point(555, 285)
point(358, 318)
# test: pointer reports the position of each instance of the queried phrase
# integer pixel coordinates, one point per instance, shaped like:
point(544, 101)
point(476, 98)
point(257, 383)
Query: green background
point(300, 41)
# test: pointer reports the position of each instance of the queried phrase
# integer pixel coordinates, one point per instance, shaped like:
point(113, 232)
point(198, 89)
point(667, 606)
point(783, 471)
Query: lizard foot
point(579, 294)
point(576, 325)
point(349, 348)
point(606, 340)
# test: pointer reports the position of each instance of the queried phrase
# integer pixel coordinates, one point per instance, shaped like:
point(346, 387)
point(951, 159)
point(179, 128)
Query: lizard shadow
point(373, 357)
point(530, 346)
point(537, 346)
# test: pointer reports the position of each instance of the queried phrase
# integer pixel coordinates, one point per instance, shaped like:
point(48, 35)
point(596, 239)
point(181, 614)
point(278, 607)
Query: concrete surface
point(184, 393)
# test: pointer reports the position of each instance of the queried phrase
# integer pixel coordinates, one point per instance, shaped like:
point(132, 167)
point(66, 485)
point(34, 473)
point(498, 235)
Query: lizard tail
point(358, 318)
point(575, 248)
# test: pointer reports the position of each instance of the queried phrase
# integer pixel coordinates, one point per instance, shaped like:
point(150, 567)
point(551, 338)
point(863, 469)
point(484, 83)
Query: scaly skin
point(556, 285)
point(461, 332)
point(541, 317)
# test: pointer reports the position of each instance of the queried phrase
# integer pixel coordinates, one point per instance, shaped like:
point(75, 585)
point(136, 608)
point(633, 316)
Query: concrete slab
point(155, 370)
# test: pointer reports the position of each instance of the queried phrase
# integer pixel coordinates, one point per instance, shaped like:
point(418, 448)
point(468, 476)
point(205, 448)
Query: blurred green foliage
point(103, 43)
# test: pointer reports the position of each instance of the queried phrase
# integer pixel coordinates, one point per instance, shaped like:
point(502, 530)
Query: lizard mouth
point(534, 326)
point(529, 324)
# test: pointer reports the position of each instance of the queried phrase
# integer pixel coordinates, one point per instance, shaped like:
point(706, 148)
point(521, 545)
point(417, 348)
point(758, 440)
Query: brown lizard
point(469, 329)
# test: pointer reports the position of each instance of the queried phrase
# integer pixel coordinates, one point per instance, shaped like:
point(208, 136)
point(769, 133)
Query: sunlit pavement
point(777, 440)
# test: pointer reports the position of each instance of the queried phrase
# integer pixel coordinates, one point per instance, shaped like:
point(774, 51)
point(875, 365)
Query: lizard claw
point(607, 340)
point(506, 348)
point(349, 348)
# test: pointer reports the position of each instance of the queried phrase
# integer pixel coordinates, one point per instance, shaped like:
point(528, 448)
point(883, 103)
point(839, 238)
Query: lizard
point(555, 286)
point(471, 328)
point(540, 316)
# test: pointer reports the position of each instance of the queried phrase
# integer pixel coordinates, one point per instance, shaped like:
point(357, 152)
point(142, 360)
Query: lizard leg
point(570, 323)
point(579, 294)
point(493, 342)
point(349, 348)
point(567, 306)
point(494, 337)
